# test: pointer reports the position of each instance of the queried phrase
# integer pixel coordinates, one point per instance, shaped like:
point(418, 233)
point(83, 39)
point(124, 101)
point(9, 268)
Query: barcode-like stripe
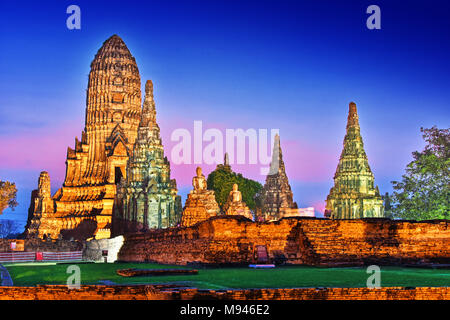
point(46, 256)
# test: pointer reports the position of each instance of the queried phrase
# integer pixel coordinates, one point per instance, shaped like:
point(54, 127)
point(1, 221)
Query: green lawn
point(281, 277)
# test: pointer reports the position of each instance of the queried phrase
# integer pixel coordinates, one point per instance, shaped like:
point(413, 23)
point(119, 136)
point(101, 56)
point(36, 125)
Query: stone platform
point(234, 240)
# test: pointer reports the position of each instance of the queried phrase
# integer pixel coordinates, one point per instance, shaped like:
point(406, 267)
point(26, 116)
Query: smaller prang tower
point(354, 195)
point(276, 195)
point(147, 198)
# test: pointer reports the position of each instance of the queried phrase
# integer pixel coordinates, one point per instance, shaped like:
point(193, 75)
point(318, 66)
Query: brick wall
point(33, 245)
point(379, 241)
point(224, 240)
point(147, 292)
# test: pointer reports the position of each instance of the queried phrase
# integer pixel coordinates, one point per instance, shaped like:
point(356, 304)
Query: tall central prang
point(84, 204)
point(112, 116)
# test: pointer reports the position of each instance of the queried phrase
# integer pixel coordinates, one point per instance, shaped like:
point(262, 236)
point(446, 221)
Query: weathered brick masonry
point(33, 245)
point(223, 240)
point(147, 292)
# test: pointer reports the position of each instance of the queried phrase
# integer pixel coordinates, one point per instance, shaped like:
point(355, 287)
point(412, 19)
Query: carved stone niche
point(117, 97)
point(117, 67)
point(117, 117)
point(118, 81)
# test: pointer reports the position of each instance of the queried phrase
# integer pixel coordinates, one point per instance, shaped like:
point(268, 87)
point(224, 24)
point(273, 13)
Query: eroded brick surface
point(229, 239)
point(147, 292)
point(33, 245)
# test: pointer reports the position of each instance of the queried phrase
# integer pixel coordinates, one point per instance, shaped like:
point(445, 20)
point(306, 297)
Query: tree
point(221, 181)
point(8, 193)
point(387, 205)
point(424, 191)
point(8, 229)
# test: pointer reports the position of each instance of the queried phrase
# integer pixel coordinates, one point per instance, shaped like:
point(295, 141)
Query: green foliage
point(424, 191)
point(8, 229)
point(387, 205)
point(221, 181)
point(8, 193)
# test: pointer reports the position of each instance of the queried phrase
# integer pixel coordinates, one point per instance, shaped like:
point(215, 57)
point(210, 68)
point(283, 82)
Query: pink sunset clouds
point(45, 149)
point(41, 149)
point(304, 161)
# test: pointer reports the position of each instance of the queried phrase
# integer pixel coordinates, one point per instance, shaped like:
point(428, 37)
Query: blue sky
point(290, 65)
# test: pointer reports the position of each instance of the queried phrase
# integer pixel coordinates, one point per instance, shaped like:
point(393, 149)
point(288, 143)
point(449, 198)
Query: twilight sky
point(287, 65)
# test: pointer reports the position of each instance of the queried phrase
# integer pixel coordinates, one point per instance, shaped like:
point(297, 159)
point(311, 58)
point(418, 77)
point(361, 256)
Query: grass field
point(279, 277)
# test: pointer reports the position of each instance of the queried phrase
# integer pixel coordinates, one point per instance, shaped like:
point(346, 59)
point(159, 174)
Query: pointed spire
point(276, 195)
point(149, 90)
point(226, 160)
point(148, 110)
point(277, 157)
point(353, 119)
point(226, 163)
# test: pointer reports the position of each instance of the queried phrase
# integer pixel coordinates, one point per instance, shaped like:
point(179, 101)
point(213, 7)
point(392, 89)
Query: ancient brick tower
point(41, 205)
point(276, 195)
point(353, 195)
point(147, 198)
point(84, 204)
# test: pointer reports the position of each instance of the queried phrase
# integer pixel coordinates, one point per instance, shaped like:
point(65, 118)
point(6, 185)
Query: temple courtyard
point(32, 274)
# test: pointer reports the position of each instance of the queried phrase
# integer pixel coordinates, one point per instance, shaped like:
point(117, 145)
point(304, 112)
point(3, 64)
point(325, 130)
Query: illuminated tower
point(353, 195)
point(276, 195)
point(147, 198)
point(83, 206)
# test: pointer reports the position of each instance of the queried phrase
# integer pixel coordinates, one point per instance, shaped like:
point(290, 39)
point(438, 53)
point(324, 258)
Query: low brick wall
point(225, 240)
point(378, 241)
point(33, 245)
point(146, 292)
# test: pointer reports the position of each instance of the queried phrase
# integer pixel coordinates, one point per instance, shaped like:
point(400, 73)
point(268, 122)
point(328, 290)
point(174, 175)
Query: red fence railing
point(40, 256)
point(62, 256)
point(17, 256)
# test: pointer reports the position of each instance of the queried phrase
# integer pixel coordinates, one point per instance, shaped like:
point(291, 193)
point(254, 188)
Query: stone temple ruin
point(147, 197)
point(235, 205)
point(200, 203)
point(354, 195)
point(120, 138)
point(118, 179)
point(277, 197)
